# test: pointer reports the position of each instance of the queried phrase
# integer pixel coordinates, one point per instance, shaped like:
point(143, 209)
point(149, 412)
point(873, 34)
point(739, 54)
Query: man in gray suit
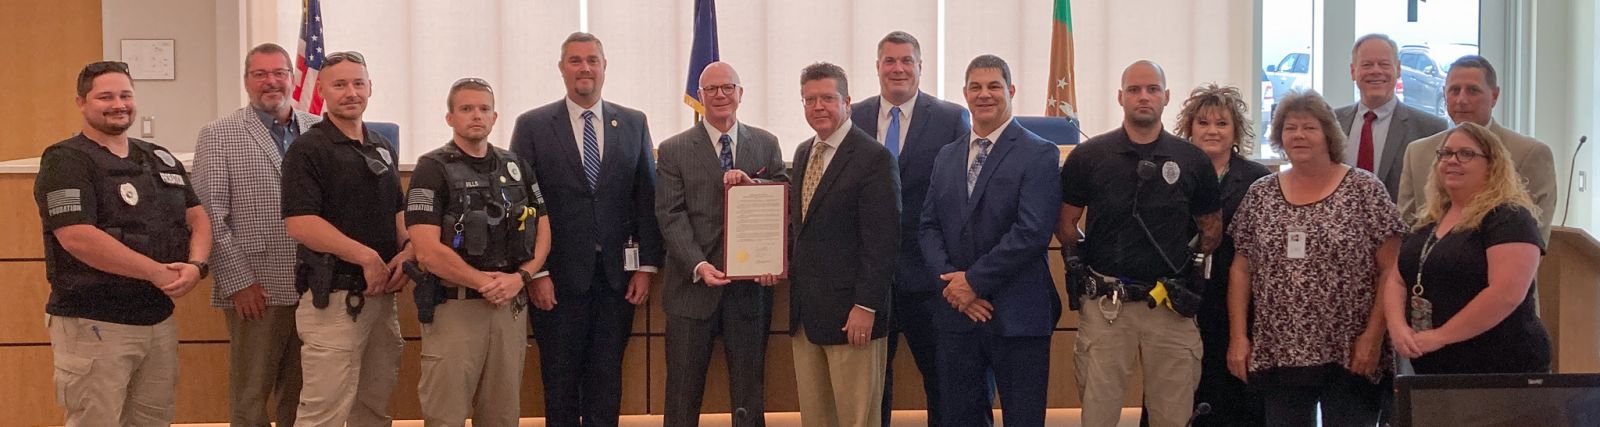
point(699, 299)
point(1379, 126)
point(237, 171)
point(1470, 93)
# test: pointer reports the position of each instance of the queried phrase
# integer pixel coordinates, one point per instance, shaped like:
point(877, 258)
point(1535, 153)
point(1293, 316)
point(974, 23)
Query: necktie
point(727, 152)
point(591, 150)
point(977, 164)
point(813, 176)
point(1364, 156)
point(891, 138)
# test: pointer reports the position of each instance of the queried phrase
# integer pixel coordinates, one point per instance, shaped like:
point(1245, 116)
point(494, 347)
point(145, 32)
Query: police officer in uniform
point(477, 220)
point(342, 202)
point(1134, 275)
point(124, 234)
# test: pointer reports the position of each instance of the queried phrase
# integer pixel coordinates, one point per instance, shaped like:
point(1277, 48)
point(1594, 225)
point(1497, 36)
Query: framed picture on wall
point(150, 59)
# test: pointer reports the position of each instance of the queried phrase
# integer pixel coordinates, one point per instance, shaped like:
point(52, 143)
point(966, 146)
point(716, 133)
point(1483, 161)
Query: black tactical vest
point(140, 205)
point(488, 219)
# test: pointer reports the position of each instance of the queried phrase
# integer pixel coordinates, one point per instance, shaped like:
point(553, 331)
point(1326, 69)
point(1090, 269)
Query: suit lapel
point(561, 125)
point(997, 155)
point(831, 173)
point(1398, 137)
point(744, 155)
point(920, 115)
point(611, 155)
point(262, 137)
point(706, 159)
point(1347, 119)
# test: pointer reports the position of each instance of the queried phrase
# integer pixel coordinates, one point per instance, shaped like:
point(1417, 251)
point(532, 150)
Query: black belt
point(459, 292)
point(349, 282)
point(1101, 285)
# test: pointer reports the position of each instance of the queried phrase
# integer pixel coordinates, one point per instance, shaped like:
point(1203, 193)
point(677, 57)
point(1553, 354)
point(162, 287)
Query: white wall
point(197, 95)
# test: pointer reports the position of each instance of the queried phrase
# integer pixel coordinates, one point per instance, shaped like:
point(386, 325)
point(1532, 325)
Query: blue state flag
point(703, 53)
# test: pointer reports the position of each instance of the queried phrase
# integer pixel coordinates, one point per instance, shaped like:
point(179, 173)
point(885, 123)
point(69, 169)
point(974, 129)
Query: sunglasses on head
point(104, 66)
point(337, 57)
point(479, 83)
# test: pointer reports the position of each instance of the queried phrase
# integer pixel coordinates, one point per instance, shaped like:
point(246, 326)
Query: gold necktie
point(813, 176)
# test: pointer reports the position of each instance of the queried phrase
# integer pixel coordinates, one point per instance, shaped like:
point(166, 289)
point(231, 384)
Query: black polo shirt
point(329, 175)
point(1102, 176)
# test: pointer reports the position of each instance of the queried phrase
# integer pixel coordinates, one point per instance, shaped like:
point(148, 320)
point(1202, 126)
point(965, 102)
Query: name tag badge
point(630, 256)
point(1295, 243)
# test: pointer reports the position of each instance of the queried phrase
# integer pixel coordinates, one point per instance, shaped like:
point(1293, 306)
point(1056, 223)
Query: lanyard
point(1427, 249)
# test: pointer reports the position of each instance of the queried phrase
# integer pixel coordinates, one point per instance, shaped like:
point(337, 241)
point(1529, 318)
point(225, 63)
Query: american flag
point(310, 57)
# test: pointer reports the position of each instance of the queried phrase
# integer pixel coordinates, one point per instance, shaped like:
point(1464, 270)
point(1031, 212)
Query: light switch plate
point(147, 127)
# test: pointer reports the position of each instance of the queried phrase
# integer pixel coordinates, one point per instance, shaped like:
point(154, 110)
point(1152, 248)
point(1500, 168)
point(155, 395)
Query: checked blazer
point(237, 173)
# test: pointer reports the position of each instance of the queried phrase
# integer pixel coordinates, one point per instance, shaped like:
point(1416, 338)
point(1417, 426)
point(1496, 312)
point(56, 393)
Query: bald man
point(1136, 251)
point(699, 299)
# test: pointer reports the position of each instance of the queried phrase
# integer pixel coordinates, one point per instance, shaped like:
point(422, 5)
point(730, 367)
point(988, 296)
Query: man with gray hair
point(1471, 92)
point(1379, 126)
point(237, 164)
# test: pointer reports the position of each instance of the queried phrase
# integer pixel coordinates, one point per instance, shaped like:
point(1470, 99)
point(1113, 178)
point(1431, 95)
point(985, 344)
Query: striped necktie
point(591, 150)
point(977, 164)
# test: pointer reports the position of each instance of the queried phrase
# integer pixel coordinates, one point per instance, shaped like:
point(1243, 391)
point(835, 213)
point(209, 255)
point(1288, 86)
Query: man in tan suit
point(1470, 93)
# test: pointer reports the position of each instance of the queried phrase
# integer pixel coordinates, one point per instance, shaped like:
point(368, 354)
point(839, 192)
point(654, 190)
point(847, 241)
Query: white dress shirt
point(1380, 133)
point(716, 135)
point(575, 113)
point(905, 119)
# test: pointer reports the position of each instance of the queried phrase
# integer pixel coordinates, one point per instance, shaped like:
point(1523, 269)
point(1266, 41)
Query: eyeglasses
point(281, 73)
point(104, 66)
point(1462, 155)
point(464, 81)
point(337, 57)
point(825, 99)
point(726, 89)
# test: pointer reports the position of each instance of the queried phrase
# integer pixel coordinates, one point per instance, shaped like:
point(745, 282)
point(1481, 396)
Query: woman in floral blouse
point(1312, 241)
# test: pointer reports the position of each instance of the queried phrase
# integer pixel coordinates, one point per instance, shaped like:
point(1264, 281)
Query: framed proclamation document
point(756, 232)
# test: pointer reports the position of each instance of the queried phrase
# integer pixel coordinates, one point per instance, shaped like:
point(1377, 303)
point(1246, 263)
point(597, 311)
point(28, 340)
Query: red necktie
point(1364, 156)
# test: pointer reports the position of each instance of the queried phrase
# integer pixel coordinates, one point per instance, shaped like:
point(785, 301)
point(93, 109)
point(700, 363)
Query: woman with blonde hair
point(1216, 119)
point(1459, 300)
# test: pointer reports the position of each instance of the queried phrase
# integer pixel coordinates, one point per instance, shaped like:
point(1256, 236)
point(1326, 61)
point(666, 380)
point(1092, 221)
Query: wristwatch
point(527, 278)
point(205, 268)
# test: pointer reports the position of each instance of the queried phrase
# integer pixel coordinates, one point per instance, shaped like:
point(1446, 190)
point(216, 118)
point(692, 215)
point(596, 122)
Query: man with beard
point(123, 235)
point(236, 174)
point(596, 167)
point(342, 202)
point(1379, 126)
point(1136, 253)
point(699, 300)
point(478, 222)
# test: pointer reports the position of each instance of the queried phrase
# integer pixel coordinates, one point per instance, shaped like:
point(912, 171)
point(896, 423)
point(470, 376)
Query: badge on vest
point(384, 153)
point(130, 195)
point(1170, 171)
point(166, 158)
point(514, 171)
point(172, 179)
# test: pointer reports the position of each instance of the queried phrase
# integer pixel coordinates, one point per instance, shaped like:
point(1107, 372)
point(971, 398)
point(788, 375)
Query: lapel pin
point(613, 122)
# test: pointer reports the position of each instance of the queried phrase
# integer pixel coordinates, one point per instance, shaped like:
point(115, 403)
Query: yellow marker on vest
point(527, 212)
point(1159, 295)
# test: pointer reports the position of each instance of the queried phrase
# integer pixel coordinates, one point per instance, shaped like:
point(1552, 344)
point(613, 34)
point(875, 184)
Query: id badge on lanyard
point(630, 256)
point(1294, 242)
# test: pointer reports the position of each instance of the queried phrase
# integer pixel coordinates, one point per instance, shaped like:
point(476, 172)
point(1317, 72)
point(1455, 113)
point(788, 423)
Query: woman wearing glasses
point(1459, 301)
point(1311, 241)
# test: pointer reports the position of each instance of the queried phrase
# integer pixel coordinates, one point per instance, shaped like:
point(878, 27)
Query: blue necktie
point(727, 152)
point(891, 138)
point(977, 164)
point(591, 150)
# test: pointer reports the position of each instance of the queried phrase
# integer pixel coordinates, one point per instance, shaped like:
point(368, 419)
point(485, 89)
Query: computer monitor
point(1512, 400)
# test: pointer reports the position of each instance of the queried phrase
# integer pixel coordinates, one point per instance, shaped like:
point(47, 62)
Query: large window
point(1444, 31)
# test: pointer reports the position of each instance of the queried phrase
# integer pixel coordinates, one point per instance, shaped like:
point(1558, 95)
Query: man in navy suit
point(912, 125)
point(595, 167)
point(992, 206)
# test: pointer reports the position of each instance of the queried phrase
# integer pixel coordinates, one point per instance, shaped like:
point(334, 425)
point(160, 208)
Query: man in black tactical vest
point(124, 234)
point(478, 222)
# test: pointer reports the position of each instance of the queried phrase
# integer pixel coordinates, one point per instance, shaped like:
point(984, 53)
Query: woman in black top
point(1460, 299)
point(1216, 120)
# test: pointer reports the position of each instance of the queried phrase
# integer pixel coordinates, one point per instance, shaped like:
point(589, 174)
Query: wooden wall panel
point(29, 395)
point(24, 234)
point(52, 40)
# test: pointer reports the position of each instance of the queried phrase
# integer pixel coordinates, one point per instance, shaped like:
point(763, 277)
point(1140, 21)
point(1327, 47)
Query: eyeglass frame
point(725, 89)
point(1445, 153)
